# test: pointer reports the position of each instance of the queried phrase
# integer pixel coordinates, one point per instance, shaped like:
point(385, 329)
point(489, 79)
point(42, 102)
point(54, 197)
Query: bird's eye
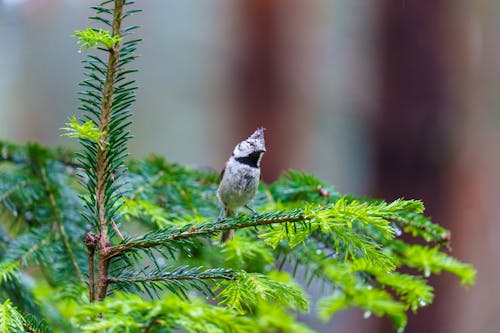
point(243, 146)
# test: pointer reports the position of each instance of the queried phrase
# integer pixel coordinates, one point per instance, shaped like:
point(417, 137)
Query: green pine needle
point(8, 271)
point(92, 38)
point(88, 130)
point(244, 293)
point(11, 319)
point(431, 260)
point(131, 313)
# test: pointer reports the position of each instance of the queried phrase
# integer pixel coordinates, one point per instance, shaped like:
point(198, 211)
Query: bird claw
point(222, 214)
point(254, 212)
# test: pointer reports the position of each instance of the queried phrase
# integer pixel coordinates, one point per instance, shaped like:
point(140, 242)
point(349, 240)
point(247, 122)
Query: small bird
point(240, 177)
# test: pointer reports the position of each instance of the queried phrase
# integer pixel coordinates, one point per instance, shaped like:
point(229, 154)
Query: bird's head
point(254, 146)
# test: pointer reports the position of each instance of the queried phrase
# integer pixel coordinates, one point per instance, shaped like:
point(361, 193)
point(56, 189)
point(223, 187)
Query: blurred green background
point(383, 98)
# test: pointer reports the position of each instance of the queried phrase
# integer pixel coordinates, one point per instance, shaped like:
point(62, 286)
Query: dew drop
point(367, 314)
point(397, 231)
point(422, 303)
point(318, 252)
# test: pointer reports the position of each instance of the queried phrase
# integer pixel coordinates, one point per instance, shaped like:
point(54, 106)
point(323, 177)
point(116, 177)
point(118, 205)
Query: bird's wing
point(222, 172)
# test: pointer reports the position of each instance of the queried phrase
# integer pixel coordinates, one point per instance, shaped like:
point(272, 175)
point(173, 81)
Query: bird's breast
point(238, 185)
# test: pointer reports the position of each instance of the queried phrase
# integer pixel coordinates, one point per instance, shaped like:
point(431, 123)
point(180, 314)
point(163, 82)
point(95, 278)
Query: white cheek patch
point(260, 158)
point(251, 145)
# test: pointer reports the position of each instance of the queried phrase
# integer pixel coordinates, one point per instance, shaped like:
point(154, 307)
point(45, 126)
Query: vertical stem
point(91, 242)
point(102, 157)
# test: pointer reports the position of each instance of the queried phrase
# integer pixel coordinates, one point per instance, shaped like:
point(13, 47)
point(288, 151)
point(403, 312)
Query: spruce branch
point(13, 189)
point(167, 235)
point(105, 118)
point(179, 274)
point(177, 280)
point(127, 311)
point(106, 103)
point(419, 225)
point(32, 325)
point(8, 271)
point(21, 154)
point(248, 290)
point(11, 319)
point(60, 224)
point(35, 247)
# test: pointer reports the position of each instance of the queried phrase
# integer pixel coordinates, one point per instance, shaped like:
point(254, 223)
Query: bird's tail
point(228, 234)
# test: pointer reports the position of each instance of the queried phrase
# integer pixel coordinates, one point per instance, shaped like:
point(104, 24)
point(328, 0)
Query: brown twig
point(103, 155)
point(193, 232)
point(152, 322)
point(90, 241)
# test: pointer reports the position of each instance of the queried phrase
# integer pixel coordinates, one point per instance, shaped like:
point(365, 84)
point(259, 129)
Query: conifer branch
point(152, 322)
point(17, 154)
point(102, 172)
point(13, 189)
point(35, 247)
point(60, 224)
point(173, 276)
point(172, 234)
point(421, 226)
point(177, 280)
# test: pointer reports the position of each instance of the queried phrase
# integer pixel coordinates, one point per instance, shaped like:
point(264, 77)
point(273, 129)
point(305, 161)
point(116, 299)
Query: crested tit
point(240, 177)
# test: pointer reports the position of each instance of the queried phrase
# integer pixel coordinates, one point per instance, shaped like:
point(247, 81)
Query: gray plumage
point(240, 177)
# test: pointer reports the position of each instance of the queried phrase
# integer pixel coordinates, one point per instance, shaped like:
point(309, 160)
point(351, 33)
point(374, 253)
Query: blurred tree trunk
point(262, 94)
point(259, 91)
point(412, 132)
point(474, 184)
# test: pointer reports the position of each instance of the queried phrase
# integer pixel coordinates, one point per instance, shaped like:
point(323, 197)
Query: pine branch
point(10, 152)
point(104, 134)
point(247, 290)
point(127, 311)
point(177, 280)
point(8, 271)
point(421, 226)
point(10, 318)
point(102, 175)
point(178, 274)
point(35, 247)
point(60, 224)
point(431, 260)
point(13, 189)
point(164, 236)
point(32, 325)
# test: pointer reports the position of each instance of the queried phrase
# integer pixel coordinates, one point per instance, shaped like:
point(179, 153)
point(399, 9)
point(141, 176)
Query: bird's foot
point(222, 214)
point(254, 212)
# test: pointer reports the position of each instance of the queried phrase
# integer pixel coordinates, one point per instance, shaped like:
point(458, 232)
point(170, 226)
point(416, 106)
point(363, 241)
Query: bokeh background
point(388, 98)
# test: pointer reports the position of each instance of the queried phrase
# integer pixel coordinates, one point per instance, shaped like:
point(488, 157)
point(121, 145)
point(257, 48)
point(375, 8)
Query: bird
point(240, 178)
